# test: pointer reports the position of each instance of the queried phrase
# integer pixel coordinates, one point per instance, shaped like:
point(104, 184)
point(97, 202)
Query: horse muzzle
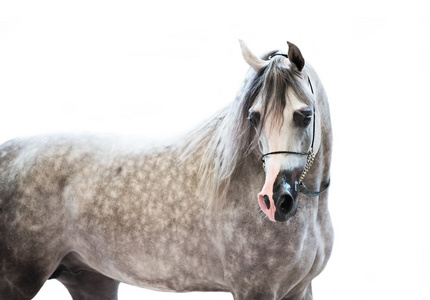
point(279, 201)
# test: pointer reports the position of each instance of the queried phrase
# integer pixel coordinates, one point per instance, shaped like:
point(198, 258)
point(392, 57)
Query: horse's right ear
point(295, 56)
point(251, 59)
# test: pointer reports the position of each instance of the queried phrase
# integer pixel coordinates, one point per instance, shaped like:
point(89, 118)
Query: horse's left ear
point(295, 56)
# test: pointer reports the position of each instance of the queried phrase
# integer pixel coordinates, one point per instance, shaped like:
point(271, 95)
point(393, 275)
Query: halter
point(310, 154)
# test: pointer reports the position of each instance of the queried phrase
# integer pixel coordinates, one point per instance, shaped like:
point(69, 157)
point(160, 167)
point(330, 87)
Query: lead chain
point(309, 162)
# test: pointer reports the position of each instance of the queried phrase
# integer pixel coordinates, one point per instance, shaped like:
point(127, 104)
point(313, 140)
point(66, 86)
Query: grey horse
point(202, 213)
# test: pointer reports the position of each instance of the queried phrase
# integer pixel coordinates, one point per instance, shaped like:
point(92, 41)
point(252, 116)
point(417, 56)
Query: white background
point(156, 68)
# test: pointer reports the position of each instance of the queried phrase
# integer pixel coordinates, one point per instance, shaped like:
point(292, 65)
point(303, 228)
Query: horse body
point(92, 212)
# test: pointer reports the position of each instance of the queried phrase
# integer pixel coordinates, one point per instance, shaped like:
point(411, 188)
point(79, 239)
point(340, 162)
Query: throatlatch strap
point(304, 189)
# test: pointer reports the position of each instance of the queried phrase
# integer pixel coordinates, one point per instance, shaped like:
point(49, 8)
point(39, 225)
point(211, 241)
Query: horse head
point(282, 111)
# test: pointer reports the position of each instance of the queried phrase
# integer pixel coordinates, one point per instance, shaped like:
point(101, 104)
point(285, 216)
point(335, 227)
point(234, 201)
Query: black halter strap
point(283, 152)
point(305, 190)
point(280, 54)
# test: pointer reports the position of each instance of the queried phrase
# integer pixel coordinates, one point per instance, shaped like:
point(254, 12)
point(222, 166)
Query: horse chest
point(279, 256)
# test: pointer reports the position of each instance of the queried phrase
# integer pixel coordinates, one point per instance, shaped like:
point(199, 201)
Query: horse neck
point(219, 147)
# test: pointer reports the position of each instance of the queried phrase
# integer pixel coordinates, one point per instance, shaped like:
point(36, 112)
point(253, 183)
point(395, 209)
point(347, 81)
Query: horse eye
point(254, 118)
point(303, 118)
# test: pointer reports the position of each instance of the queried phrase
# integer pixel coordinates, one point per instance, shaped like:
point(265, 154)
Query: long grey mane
point(226, 139)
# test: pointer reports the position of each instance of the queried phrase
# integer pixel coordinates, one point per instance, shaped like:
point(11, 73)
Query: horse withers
point(201, 214)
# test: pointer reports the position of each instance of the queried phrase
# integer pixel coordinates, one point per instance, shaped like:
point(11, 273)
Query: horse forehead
point(293, 102)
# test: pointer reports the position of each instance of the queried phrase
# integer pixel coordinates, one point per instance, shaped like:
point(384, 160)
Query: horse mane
point(226, 139)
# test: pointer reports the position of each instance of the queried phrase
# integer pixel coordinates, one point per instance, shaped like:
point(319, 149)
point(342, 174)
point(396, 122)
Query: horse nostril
point(286, 203)
point(266, 201)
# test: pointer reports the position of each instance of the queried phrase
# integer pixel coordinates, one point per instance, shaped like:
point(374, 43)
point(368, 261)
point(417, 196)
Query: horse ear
point(295, 56)
point(251, 59)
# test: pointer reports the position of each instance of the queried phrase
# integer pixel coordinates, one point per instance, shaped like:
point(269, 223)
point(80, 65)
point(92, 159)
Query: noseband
point(310, 154)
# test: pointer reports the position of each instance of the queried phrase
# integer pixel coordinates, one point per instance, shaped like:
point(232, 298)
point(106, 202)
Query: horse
point(238, 204)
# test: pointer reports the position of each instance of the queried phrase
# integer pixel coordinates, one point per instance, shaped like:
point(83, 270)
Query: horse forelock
point(272, 83)
point(225, 140)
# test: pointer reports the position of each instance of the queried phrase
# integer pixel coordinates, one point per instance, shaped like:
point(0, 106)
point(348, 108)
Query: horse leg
point(88, 285)
point(84, 283)
point(20, 279)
